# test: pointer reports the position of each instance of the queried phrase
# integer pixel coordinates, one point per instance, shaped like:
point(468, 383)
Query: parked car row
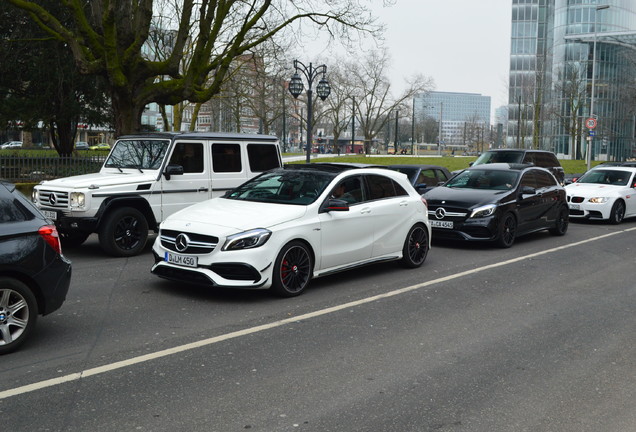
point(269, 226)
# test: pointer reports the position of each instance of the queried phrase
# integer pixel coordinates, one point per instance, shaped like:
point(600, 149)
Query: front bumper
point(588, 210)
point(472, 229)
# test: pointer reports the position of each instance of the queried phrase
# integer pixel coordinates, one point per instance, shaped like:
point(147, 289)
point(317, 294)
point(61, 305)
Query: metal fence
point(25, 169)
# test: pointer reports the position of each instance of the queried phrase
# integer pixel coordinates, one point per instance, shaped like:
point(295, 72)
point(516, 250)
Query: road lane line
point(204, 342)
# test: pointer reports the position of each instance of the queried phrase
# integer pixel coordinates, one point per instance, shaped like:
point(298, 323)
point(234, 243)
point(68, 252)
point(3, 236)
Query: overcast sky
point(464, 45)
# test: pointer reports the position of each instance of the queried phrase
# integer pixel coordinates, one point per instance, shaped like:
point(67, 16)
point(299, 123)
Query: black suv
point(541, 158)
point(34, 275)
point(498, 202)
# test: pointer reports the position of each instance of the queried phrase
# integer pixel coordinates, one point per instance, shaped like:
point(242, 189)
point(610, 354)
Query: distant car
point(289, 225)
point(541, 158)
point(34, 275)
point(11, 145)
point(423, 177)
point(100, 146)
point(605, 193)
point(498, 202)
point(81, 145)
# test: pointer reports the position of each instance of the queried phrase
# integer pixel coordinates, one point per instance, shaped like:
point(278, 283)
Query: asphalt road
point(539, 337)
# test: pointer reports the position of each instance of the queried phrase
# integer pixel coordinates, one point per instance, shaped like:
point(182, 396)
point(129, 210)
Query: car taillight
point(424, 201)
point(50, 235)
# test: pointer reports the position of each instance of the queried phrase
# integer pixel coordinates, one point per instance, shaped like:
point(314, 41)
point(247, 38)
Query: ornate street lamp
point(296, 88)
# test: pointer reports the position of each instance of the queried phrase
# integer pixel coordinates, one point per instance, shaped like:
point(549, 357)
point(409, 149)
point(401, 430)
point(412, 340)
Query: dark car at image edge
point(498, 202)
point(34, 274)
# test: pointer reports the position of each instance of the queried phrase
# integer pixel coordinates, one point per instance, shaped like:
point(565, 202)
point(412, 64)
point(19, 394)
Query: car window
point(441, 176)
point(12, 210)
point(427, 177)
point(529, 179)
point(609, 177)
point(349, 190)
point(544, 179)
point(226, 158)
point(484, 179)
point(499, 156)
point(189, 156)
point(380, 187)
point(262, 157)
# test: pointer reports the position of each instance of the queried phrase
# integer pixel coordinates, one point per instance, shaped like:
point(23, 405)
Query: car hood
point(593, 189)
point(102, 179)
point(225, 216)
point(457, 197)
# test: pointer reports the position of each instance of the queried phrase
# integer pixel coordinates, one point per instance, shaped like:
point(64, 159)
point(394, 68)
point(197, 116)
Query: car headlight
point(247, 240)
point(598, 200)
point(483, 211)
point(34, 195)
point(77, 199)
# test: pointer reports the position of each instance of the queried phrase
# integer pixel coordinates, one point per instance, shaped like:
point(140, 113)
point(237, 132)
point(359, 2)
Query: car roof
point(422, 166)
point(518, 150)
point(333, 167)
point(616, 168)
point(501, 166)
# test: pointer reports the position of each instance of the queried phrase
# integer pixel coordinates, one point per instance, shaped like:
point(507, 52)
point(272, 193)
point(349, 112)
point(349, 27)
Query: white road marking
point(204, 342)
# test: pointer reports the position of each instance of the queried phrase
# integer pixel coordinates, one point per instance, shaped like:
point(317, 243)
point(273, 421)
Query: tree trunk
point(63, 137)
point(127, 112)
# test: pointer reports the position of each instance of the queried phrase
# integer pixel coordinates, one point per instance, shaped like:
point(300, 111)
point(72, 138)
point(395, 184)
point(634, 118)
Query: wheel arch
point(134, 201)
point(30, 283)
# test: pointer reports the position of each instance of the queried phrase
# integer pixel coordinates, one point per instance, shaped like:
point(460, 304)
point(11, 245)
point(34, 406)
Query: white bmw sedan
point(289, 225)
point(603, 193)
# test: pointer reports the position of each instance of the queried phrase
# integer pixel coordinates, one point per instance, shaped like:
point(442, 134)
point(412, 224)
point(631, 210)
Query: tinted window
point(484, 179)
point(601, 176)
point(262, 157)
point(544, 179)
point(529, 180)
point(499, 156)
point(427, 177)
point(189, 156)
point(12, 210)
point(226, 158)
point(349, 190)
point(144, 154)
point(382, 187)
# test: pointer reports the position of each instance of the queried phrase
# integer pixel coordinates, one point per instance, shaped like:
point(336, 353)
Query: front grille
point(576, 212)
point(577, 199)
point(183, 275)
point(196, 243)
point(51, 198)
point(450, 213)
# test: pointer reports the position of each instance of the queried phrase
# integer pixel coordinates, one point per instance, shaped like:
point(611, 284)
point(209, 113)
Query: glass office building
point(571, 60)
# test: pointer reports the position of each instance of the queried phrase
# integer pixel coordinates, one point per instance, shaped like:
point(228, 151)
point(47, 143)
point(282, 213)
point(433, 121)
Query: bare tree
point(572, 87)
point(108, 38)
point(372, 88)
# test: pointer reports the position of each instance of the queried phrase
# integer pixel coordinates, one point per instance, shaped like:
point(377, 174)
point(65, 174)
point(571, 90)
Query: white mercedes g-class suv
point(146, 178)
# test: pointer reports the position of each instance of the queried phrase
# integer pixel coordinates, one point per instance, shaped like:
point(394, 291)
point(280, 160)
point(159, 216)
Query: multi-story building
point(569, 61)
point(458, 112)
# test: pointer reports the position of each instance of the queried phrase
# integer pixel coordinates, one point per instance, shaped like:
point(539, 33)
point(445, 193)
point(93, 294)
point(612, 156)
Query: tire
point(18, 314)
point(618, 212)
point(124, 232)
point(415, 246)
point(293, 270)
point(507, 231)
point(73, 239)
point(561, 223)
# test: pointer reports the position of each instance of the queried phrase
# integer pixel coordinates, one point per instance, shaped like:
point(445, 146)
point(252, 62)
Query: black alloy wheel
point(618, 212)
point(507, 231)
point(415, 246)
point(124, 232)
point(561, 223)
point(292, 270)
point(18, 313)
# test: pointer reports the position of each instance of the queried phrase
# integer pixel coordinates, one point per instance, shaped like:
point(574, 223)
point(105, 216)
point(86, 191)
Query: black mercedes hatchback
point(34, 275)
point(498, 202)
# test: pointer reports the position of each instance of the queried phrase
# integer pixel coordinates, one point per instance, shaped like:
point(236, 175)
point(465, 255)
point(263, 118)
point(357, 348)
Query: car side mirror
point(172, 170)
point(527, 190)
point(336, 205)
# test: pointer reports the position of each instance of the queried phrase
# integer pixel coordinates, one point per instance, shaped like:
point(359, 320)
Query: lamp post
point(296, 88)
point(588, 155)
point(439, 144)
point(353, 126)
point(413, 128)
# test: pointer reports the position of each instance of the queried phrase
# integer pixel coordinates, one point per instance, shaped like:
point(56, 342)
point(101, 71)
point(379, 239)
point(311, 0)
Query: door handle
point(404, 203)
point(365, 210)
point(202, 189)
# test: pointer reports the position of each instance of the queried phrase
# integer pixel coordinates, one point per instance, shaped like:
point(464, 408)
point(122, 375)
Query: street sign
point(592, 133)
point(590, 123)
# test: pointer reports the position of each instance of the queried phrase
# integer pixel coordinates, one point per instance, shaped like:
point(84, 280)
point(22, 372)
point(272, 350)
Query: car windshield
point(139, 154)
point(499, 157)
point(484, 179)
point(607, 177)
point(283, 187)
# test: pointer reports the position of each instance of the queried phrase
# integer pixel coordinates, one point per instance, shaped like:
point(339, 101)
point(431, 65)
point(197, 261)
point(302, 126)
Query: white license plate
point(442, 224)
point(181, 260)
point(575, 206)
point(49, 214)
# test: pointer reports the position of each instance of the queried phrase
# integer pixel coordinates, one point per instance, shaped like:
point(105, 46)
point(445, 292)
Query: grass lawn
point(450, 162)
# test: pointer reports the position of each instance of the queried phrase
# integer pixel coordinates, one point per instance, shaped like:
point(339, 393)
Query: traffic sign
point(592, 133)
point(590, 123)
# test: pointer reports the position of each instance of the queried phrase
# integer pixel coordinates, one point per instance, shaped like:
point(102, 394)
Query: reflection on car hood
point(129, 176)
point(592, 189)
point(457, 197)
point(230, 216)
